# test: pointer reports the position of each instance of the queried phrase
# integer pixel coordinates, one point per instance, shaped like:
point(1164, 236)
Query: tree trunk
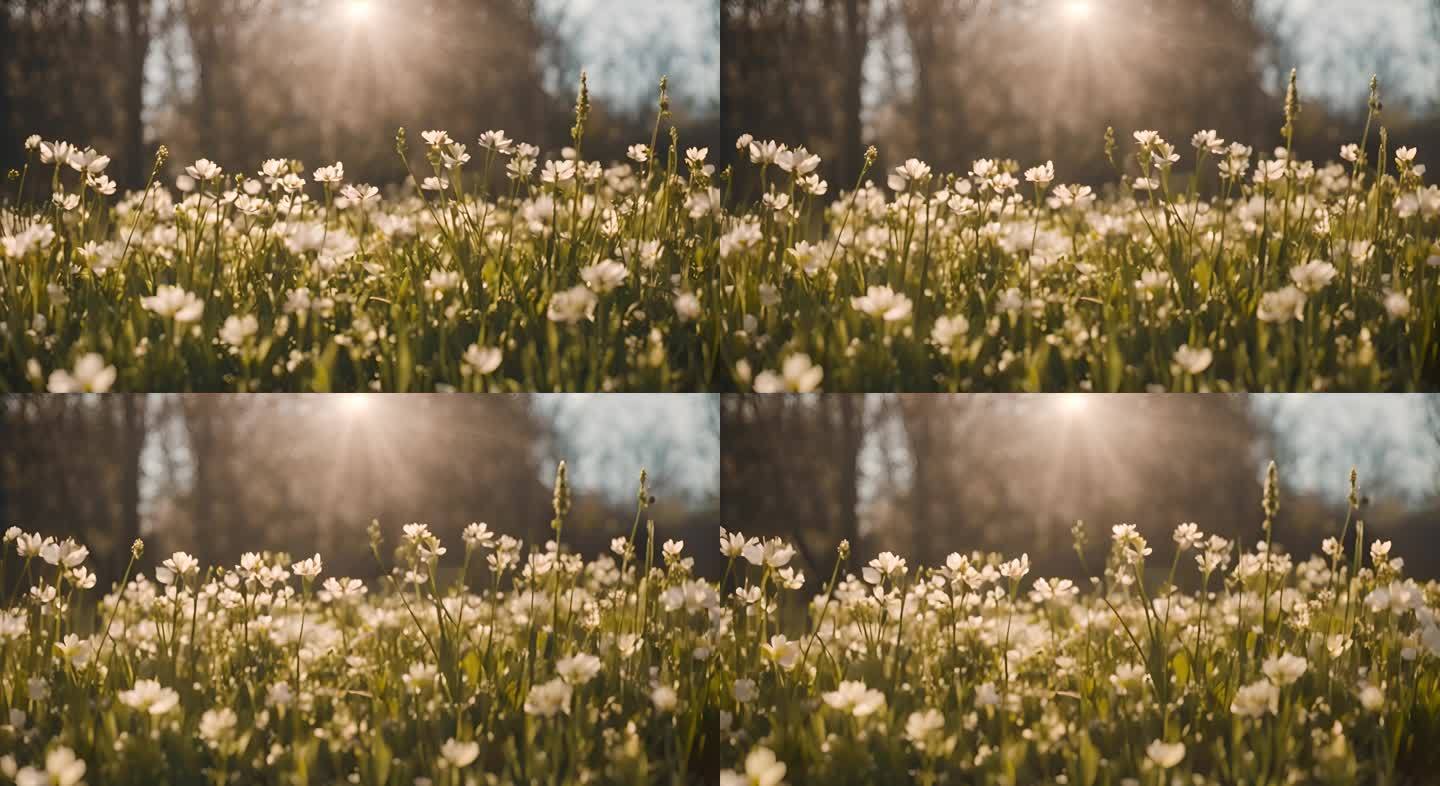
point(853, 76)
point(137, 25)
point(133, 435)
point(852, 436)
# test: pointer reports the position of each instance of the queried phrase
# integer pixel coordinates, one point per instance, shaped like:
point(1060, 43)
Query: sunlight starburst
point(1078, 10)
point(359, 10)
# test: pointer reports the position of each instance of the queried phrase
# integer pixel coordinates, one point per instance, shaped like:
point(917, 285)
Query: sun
point(359, 10)
point(352, 404)
point(1072, 404)
point(1077, 10)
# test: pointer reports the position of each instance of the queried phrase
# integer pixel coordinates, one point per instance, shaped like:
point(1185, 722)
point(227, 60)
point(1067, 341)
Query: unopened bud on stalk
point(1271, 502)
point(870, 155)
point(843, 549)
point(1292, 105)
point(562, 496)
point(1354, 489)
point(644, 496)
point(137, 548)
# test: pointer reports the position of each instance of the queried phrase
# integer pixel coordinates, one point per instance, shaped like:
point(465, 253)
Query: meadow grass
point(1273, 670)
point(1271, 274)
point(486, 271)
point(524, 666)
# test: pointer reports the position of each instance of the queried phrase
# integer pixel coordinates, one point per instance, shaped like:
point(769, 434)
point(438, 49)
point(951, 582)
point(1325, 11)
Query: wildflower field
point(1272, 670)
point(507, 666)
point(490, 270)
point(1218, 269)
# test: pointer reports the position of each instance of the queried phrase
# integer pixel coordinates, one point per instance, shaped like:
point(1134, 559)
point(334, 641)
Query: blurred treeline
point(950, 81)
point(221, 475)
point(239, 81)
point(925, 475)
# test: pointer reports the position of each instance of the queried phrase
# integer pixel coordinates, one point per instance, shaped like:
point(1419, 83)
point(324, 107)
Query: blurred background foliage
point(239, 81)
point(219, 475)
point(927, 475)
point(949, 81)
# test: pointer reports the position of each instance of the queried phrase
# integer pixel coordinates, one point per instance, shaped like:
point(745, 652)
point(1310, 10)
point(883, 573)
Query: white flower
point(216, 725)
point(687, 306)
point(172, 302)
point(885, 566)
point(179, 565)
point(855, 698)
point(1208, 141)
point(1054, 590)
point(922, 727)
point(883, 302)
point(947, 329)
point(1285, 669)
point(1312, 276)
point(1188, 535)
point(1281, 306)
point(797, 375)
point(435, 138)
point(1371, 697)
point(495, 141)
point(203, 170)
point(781, 651)
point(1041, 175)
point(481, 360)
point(1397, 305)
point(360, 194)
point(150, 696)
point(572, 305)
point(37, 237)
point(772, 553)
point(62, 768)
point(744, 691)
point(578, 669)
point(330, 175)
point(238, 329)
point(548, 699)
point(307, 568)
point(761, 769)
point(459, 754)
point(1256, 699)
point(1193, 360)
point(604, 276)
point(913, 169)
point(91, 375)
point(1016, 569)
point(1165, 754)
point(478, 535)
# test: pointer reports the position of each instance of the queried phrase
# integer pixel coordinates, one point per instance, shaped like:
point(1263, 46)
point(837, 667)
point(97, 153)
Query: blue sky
point(608, 437)
point(1340, 43)
point(1319, 438)
point(626, 45)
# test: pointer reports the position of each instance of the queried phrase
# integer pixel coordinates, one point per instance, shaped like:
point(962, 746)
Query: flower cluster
point(502, 269)
point(517, 665)
point(1277, 670)
point(1252, 271)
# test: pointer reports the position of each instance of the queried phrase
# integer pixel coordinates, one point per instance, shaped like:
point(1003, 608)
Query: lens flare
point(1078, 10)
point(359, 10)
